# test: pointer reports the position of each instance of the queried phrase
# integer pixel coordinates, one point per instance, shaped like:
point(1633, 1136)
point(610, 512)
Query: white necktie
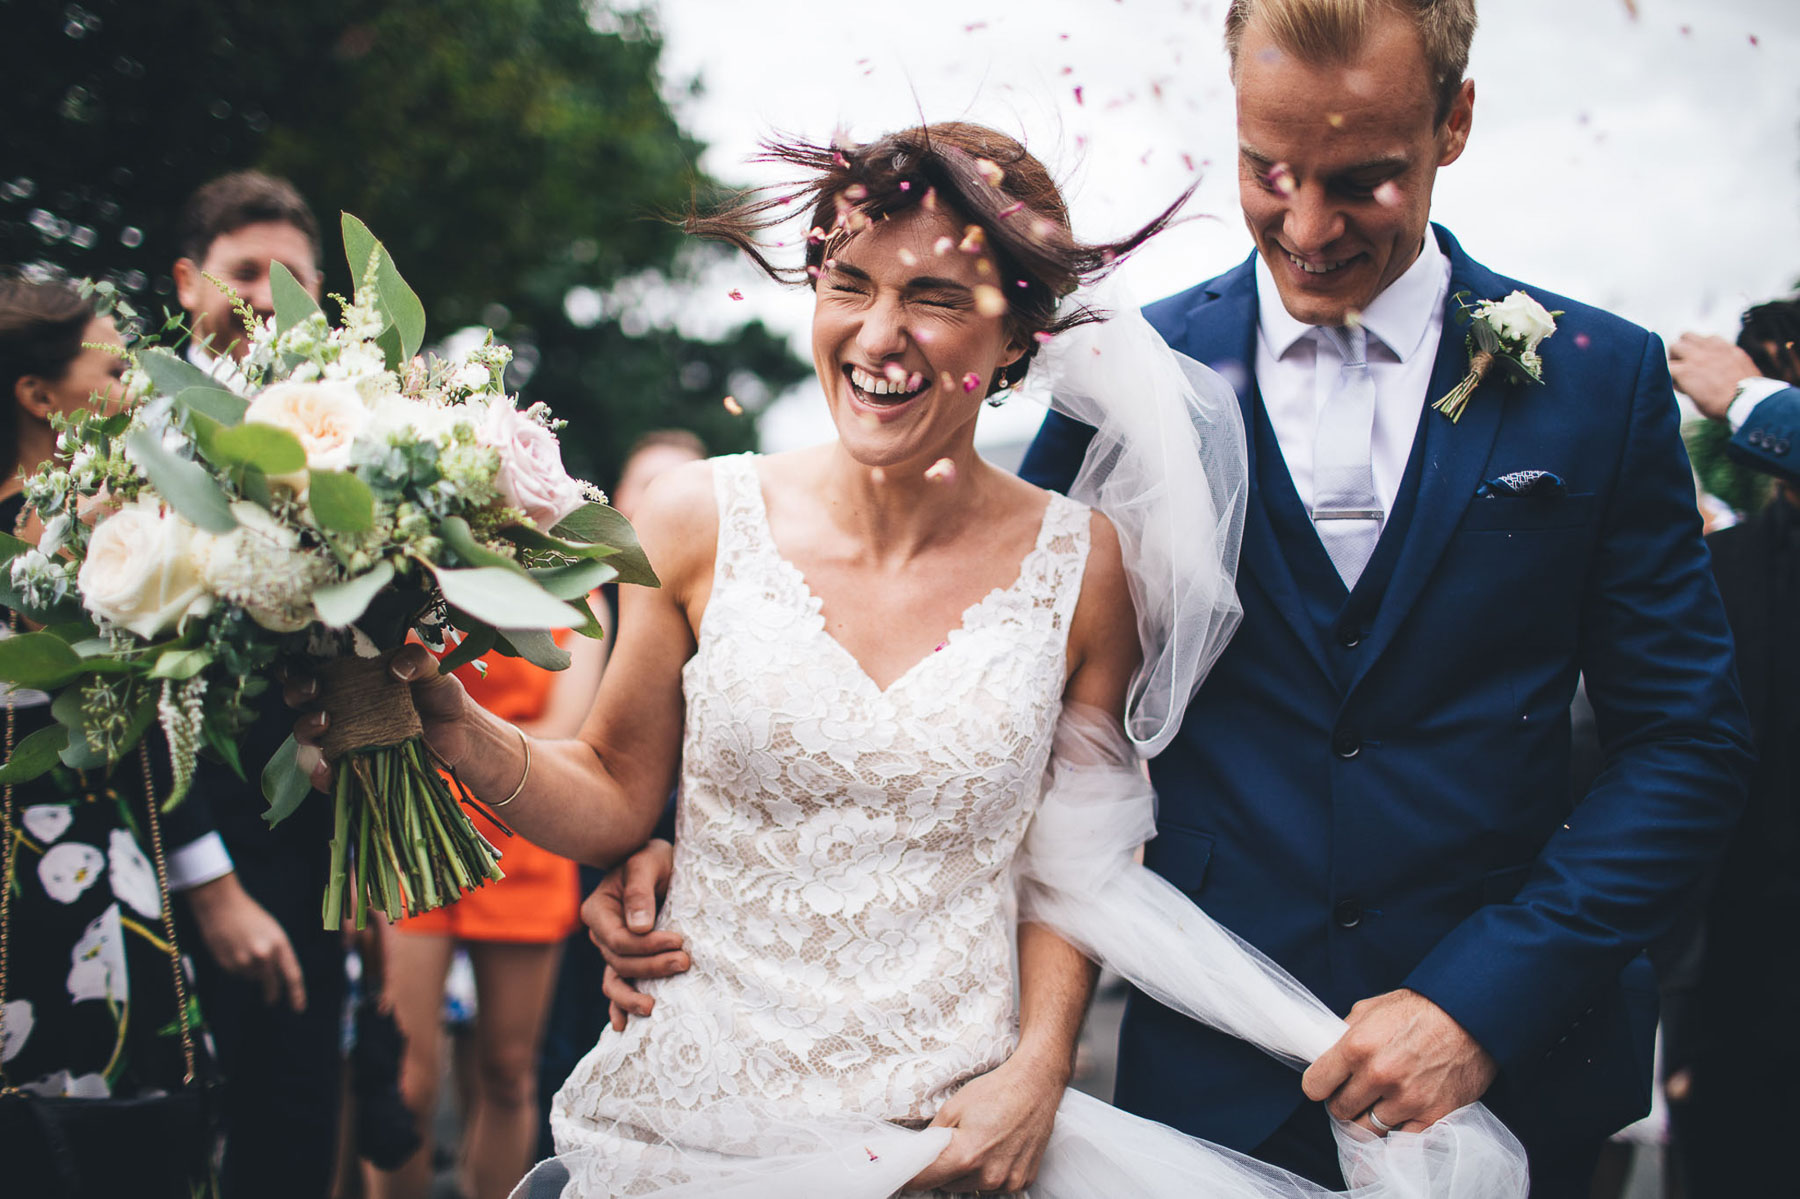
point(1345, 511)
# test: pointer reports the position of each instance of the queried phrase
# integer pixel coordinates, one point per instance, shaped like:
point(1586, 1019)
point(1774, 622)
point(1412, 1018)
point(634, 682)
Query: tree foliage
point(507, 151)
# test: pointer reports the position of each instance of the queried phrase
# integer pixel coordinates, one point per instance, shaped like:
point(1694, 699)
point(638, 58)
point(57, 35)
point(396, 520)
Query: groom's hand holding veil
point(1402, 1064)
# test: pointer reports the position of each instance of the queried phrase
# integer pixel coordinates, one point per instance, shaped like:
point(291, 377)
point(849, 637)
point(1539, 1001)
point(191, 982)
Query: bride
point(857, 666)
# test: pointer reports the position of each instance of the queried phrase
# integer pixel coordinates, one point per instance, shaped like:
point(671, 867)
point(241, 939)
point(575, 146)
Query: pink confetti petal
point(971, 382)
point(990, 170)
point(1078, 99)
point(733, 407)
point(1042, 338)
point(989, 301)
point(1388, 195)
point(942, 246)
point(1281, 180)
point(895, 373)
point(944, 471)
point(907, 257)
point(1012, 208)
point(735, 294)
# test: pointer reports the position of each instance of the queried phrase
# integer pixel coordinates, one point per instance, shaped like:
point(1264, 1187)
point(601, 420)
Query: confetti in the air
point(971, 381)
point(1042, 338)
point(1388, 194)
point(1335, 119)
point(974, 239)
point(942, 246)
point(1010, 209)
point(990, 170)
point(941, 471)
point(989, 301)
point(735, 294)
point(907, 257)
point(1078, 98)
point(733, 407)
point(1281, 180)
point(895, 373)
point(1582, 341)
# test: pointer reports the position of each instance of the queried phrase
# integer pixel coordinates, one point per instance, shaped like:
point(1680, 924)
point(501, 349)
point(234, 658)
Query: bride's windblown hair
point(1005, 197)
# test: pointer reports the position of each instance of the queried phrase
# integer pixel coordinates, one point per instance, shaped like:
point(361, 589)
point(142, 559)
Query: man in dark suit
point(1735, 1047)
point(1370, 786)
point(270, 980)
point(1750, 386)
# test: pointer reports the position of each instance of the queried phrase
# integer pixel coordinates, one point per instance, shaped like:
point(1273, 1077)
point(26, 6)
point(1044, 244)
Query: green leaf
point(341, 502)
point(456, 534)
point(282, 783)
point(220, 739)
point(266, 448)
point(38, 661)
point(172, 374)
point(292, 302)
point(576, 579)
point(504, 599)
point(186, 485)
point(215, 402)
point(342, 604)
point(476, 642)
point(78, 754)
point(600, 524)
point(593, 630)
point(535, 646)
point(34, 755)
point(180, 664)
point(405, 315)
point(528, 538)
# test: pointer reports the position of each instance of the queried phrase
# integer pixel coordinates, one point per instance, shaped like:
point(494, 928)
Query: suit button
point(1779, 445)
point(1349, 636)
point(1347, 914)
point(1755, 438)
point(1346, 744)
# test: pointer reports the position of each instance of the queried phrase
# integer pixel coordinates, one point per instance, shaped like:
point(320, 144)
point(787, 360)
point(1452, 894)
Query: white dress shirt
point(1297, 369)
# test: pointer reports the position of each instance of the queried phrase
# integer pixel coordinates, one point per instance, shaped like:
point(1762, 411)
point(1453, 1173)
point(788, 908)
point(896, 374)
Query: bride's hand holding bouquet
point(356, 497)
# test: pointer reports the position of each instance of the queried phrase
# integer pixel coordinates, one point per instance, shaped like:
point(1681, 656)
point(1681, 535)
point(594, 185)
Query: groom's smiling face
point(1337, 160)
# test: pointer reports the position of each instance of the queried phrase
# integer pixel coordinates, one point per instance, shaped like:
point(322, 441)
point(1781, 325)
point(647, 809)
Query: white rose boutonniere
point(1501, 333)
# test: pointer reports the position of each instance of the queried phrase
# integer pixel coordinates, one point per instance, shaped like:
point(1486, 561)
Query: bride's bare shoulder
point(677, 522)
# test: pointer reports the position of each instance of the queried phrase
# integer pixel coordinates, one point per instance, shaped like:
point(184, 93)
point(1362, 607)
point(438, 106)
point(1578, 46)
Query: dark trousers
point(282, 1068)
point(1304, 1145)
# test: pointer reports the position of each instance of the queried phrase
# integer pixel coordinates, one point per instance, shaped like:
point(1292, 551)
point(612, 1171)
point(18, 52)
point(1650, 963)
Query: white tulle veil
point(1168, 466)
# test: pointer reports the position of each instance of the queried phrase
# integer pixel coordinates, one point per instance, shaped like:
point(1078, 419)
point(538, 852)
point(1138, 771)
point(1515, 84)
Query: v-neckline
point(815, 605)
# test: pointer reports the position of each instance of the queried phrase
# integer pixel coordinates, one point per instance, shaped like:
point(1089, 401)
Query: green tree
point(507, 151)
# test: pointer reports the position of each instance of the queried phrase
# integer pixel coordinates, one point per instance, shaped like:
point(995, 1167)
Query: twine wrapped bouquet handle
point(369, 707)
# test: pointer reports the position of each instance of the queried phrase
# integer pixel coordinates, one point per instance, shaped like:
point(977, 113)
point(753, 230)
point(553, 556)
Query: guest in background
point(271, 980)
point(1733, 1041)
point(88, 991)
point(1750, 386)
point(513, 932)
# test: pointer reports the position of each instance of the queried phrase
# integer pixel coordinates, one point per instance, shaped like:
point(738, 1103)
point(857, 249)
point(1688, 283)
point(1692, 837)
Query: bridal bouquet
point(355, 494)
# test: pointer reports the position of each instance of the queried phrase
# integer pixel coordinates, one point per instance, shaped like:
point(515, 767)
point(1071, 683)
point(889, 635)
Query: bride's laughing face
point(909, 332)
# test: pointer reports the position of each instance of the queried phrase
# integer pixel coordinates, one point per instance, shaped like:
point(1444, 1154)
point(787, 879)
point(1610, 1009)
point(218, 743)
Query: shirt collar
point(222, 367)
point(1399, 317)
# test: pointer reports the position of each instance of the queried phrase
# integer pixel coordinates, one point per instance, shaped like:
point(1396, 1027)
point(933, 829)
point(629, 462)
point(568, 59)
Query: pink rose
point(531, 476)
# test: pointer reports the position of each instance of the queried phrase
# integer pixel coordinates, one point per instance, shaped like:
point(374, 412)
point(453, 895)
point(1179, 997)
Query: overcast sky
point(1648, 165)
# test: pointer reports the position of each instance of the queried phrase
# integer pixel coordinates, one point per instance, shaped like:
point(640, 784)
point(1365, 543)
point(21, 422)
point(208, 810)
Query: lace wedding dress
point(844, 855)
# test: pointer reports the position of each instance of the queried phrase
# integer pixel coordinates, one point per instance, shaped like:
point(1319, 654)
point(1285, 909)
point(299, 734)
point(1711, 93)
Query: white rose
point(260, 567)
point(1520, 316)
point(531, 476)
point(140, 571)
point(326, 417)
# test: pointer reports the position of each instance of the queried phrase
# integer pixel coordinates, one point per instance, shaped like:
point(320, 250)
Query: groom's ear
point(1453, 136)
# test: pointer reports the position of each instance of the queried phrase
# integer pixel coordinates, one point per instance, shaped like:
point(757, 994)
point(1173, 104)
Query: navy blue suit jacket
point(1770, 439)
point(1413, 828)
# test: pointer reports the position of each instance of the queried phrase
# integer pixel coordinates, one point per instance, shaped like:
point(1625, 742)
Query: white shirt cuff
point(199, 861)
point(1751, 392)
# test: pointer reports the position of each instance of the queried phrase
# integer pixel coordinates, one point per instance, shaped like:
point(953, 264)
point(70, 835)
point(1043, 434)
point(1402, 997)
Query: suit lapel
point(1454, 454)
point(1221, 332)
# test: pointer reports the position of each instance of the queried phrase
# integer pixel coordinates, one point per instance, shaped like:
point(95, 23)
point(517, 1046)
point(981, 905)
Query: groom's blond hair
point(1326, 31)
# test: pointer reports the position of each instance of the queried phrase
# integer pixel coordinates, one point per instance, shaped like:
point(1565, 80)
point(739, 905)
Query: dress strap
point(1059, 560)
point(739, 496)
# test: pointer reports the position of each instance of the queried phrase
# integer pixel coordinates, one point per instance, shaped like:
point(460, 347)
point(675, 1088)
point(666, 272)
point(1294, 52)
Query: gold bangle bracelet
point(523, 778)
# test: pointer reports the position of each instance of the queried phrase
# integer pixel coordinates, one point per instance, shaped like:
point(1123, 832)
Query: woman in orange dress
point(513, 932)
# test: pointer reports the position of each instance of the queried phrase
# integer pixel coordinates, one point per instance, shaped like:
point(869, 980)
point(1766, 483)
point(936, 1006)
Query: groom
point(1370, 786)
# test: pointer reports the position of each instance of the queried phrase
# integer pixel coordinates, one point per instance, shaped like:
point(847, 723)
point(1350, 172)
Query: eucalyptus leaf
point(476, 642)
point(526, 537)
point(282, 783)
point(266, 448)
point(67, 707)
point(342, 604)
point(34, 755)
point(535, 646)
point(179, 664)
point(341, 502)
point(576, 579)
point(601, 524)
point(186, 485)
point(172, 374)
point(504, 599)
point(39, 661)
point(404, 313)
point(293, 304)
point(456, 534)
point(213, 401)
